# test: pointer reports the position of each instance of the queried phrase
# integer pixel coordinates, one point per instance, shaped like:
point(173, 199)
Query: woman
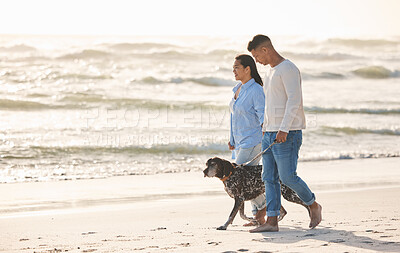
point(247, 115)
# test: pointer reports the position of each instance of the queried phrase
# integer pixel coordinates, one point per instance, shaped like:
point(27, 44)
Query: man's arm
point(292, 83)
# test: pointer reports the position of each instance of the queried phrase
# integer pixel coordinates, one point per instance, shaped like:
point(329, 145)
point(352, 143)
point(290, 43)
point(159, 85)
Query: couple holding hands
point(264, 113)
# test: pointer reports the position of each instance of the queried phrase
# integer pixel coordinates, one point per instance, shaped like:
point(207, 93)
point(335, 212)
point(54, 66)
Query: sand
point(180, 213)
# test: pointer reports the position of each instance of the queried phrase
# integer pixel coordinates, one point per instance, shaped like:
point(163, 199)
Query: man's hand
point(281, 137)
point(230, 146)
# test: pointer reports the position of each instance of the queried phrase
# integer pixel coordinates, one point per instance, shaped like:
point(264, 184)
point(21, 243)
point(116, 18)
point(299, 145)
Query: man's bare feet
point(265, 228)
point(316, 214)
point(270, 226)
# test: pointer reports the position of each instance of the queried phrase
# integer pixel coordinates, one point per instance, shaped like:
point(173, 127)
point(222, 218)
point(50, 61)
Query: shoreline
point(180, 212)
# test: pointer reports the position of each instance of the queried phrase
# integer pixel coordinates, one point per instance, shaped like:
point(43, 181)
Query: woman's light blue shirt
point(247, 115)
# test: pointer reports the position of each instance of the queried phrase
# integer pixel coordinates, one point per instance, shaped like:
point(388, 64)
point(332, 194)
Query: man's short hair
point(257, 41)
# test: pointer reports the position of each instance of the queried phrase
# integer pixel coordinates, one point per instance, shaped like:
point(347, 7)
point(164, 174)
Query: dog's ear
point(227, 168)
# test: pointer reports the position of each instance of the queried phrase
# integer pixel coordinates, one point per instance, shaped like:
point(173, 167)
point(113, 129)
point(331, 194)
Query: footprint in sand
point(214, 243)
point(160, 228)
point(89, 233)
point(167, 248)
point(184, 244)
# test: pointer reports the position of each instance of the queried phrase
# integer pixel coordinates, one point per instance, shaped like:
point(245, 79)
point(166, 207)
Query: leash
point(257, 156)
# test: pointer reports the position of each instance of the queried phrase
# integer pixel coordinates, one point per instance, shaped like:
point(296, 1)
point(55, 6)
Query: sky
point(317, 18)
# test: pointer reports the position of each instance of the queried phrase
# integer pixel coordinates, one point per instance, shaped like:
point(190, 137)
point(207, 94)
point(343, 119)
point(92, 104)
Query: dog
point(244, 183)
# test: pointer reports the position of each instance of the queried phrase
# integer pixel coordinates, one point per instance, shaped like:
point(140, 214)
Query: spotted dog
point(244, 183)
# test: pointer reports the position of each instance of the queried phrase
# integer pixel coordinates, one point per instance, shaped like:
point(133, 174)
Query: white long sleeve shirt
point(283, 99)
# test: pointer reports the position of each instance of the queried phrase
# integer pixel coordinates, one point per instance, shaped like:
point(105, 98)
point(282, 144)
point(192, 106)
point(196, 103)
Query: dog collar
point(225, 178)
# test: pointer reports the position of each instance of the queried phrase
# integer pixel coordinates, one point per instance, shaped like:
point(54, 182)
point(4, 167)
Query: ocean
point(82, 107)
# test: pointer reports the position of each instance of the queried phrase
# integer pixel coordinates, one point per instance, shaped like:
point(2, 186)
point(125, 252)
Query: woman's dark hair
point(247, 60)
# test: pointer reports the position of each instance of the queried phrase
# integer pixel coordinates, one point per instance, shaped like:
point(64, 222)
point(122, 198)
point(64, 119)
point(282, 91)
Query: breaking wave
point(322, 75)
point(320, 56)
point(140, 46)
point(375, 72)
point(208, 81)
point(86, 54)
point(346, 156)
point(362, 43)
point(316, 109)
point(18, 48)
point(354, 131)
point(7, 104)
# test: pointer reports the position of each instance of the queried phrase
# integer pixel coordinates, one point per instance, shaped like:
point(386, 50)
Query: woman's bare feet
point(252, 223)
point(282, 213)
point(260, 215)
point(270, 226)
point(316, 214)
point(260, 218)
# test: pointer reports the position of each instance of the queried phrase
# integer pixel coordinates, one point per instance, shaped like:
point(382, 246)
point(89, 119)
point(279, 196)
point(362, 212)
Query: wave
point(21, 48)
point(17, 105)
point(320, 56)
point(85, 99)
point(86, 54)
point(80, 100)
point(140, 46)
point(212, 81)
point(7, 104)
point(323, 75)
point(346, 156)
point(77, 76)
point(354, 131)
point(208, 81)
point(375, 72)
point(223, 52)
point(362, 43)
point(316, 109)
point(56, 151)
point(89, 152)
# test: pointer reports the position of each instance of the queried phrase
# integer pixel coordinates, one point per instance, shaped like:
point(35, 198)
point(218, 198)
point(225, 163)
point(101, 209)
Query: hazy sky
point(328, 18)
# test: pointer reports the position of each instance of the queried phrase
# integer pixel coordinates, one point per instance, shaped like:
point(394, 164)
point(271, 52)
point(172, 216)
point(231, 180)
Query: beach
point(179, 212)
point(109, 112)
point(103, 140)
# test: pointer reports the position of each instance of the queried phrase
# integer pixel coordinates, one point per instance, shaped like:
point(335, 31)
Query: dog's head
point(217, 167)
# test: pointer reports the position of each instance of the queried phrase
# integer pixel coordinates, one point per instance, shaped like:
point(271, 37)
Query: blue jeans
point(280, 162)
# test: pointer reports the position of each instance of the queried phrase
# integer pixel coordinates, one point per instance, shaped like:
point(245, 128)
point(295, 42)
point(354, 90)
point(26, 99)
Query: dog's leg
point(236, 207)
point(292, 196)
point(243, 216)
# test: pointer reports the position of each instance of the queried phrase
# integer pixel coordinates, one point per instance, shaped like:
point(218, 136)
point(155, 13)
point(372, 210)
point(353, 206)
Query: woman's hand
point(230, 146)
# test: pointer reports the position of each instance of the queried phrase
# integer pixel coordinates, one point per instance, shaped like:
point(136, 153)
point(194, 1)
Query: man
point(283, 122)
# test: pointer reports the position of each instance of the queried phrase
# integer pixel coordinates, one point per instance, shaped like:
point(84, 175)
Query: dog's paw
point(221, 228)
